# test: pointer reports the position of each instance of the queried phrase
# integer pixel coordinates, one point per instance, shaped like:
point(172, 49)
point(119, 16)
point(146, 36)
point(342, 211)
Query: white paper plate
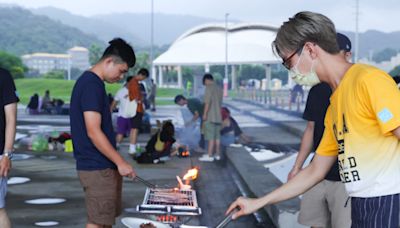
point(136, 222)
point(47, 223)
point(236, 145)
point(187, 226)
point(17, 180)
point(45, 201)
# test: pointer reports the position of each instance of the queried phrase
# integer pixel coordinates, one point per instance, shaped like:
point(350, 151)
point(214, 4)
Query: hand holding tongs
point(227, 218)
point(148, 184)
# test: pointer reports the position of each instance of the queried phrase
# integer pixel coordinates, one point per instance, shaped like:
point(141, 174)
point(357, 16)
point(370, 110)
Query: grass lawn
point(62, 89)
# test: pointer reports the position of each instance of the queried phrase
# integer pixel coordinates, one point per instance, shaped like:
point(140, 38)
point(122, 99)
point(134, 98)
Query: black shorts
point(137, 120)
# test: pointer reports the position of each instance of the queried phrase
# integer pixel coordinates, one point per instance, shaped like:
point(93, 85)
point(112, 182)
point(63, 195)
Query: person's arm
point(303, 181)
point(305, 149)
point(113, 105)
point(245, 138)
point(11, 120)
point(207, 101)
point(206, 108)
point(195, 116)
point(396, 132)
point(99, 139)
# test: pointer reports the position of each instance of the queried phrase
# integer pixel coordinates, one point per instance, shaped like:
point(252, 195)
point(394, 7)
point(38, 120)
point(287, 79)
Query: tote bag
point(129, 109)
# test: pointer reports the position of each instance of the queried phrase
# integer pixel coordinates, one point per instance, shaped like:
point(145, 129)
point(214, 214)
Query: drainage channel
point(218, 185)
point(267, 120)
point(263, 220)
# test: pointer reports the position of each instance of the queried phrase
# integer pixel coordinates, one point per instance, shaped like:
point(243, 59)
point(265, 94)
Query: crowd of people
point(44, 105)
point(353, 125)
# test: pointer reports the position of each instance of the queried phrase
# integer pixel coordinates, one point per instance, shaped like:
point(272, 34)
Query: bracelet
point(8, 153)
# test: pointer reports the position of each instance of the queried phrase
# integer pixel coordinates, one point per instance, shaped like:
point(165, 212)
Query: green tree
point(55, 74)
point(13, 64)
point(95, 53)
point(142, 61)
point(395, 71)
point(384, 55)
point(247, 72)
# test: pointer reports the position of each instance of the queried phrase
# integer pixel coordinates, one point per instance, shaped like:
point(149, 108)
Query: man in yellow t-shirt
point(362, 125)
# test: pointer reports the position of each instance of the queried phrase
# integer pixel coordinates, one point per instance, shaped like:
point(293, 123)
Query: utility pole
point(226, 56)
point(356, 41)
point(152, 42)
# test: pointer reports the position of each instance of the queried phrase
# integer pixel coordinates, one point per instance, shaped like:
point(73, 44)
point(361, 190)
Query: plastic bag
point(40, 143)
point(189, 135)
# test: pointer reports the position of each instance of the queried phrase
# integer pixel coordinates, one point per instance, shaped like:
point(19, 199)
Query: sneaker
point(158, 161)
point(131, 152)
point(204, 155)
point(217, 157)
point(206, 159)
point(165, 158)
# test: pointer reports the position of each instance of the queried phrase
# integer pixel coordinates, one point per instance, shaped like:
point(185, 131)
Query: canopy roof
point(248, 43)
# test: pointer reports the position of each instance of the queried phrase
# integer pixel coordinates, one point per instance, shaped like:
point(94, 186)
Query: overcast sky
point(374, 14)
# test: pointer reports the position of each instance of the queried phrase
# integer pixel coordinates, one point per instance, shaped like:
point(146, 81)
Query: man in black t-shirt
point(100, 166)
point(324, 205)
point(8, 116)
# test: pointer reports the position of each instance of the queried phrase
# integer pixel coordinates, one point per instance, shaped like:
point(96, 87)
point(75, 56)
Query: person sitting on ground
point(33, 105)
point(46, 102)
point(159, 145)
point(231, 131)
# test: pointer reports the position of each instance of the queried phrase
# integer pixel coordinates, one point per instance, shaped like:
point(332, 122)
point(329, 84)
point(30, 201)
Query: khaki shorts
point(103, 190)
point(324, 205)
point(212, 131)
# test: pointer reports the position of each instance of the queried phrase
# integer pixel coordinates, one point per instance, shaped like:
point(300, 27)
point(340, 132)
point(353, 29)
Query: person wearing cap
point(322, 205)
point(362, 125)
point(100, 166)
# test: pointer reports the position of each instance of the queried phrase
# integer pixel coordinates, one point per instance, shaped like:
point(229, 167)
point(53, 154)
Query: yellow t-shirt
point(364, 109)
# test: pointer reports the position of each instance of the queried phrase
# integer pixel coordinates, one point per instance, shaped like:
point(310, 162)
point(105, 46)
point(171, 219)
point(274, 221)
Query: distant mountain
point(23, 32)
point(167, 27)
point(374, 41)
point(99, 28)
point(134, 27)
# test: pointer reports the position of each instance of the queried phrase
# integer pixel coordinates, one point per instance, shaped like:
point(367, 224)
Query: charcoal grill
point(153, 203)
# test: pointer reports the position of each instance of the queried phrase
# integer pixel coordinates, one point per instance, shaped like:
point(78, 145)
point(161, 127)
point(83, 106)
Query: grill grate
point(171, 197)
point(170, 201)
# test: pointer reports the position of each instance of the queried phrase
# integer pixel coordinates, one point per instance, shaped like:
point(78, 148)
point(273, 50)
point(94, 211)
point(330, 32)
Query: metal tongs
point(227, 218)
point(145, 182)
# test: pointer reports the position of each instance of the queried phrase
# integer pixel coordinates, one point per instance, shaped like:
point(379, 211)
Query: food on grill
point(147, 225)
point(169, 196)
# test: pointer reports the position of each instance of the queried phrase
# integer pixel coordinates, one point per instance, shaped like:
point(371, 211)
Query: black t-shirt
point(317, 104)
point(233, 127)
point(7, 96)
point(89, 94)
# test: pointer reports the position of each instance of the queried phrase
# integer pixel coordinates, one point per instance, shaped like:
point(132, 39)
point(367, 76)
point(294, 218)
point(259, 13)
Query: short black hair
point(128, 78)
point(167, 132)
point(179, 98)
point(207, 76)
point(120, 48)
point(144, 72)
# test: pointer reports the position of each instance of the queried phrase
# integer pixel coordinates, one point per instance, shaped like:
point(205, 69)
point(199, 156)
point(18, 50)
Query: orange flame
point(191, 174)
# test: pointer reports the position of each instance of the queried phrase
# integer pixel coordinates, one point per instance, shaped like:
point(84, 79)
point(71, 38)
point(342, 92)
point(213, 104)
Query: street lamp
point(152, 40)
point(226, 56)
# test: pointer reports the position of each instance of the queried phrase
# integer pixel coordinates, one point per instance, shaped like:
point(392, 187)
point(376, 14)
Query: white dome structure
point(248, 43)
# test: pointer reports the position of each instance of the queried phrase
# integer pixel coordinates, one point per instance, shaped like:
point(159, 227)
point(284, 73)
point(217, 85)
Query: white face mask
point(307, 79)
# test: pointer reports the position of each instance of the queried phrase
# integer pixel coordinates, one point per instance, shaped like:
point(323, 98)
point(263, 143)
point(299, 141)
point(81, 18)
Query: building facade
point(42, 63)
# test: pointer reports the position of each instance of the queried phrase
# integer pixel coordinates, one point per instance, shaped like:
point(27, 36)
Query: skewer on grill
point(148, 184)
point(227, 218)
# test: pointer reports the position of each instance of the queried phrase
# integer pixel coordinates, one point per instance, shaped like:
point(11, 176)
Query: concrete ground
point(216, 188)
